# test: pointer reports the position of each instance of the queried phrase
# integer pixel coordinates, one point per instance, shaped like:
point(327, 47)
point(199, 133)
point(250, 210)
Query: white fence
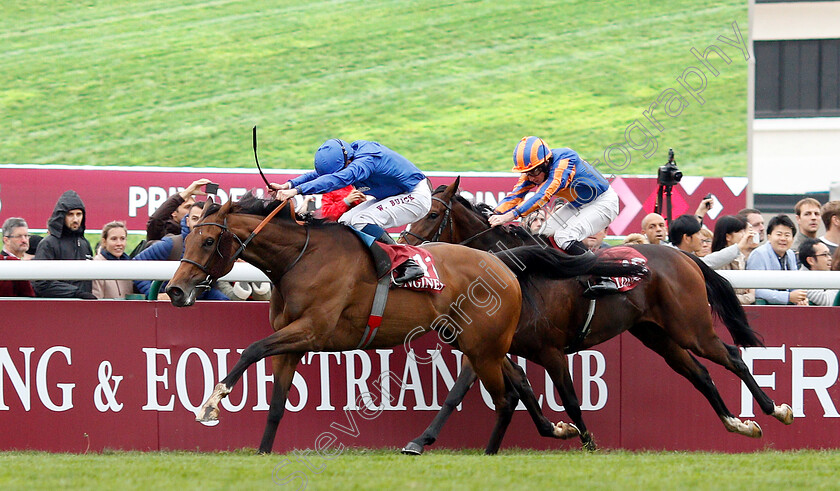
point(163, 270)
point(110, 270)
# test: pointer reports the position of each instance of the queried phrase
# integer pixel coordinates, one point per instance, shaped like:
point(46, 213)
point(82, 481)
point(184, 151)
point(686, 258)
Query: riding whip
point(257, 160)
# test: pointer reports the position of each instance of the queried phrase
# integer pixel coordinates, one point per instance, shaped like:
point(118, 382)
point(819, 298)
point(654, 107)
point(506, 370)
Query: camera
point(669, 174)
point(211, 188)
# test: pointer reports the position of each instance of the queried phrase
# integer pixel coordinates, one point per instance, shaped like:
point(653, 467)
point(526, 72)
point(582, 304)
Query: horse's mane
point(251, 204)
point(484, 211)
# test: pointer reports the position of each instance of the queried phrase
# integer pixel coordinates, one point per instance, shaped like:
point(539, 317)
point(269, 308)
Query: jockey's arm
point(358, 170)
point(553, 183)
point(297, 181)
point(514, 197)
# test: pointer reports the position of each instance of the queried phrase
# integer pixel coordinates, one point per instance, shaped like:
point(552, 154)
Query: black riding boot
point(576, 248)
point(596, 286)
point(407, 271)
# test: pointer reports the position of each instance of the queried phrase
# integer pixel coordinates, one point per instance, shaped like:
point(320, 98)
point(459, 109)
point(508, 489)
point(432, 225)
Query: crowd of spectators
point(65, 240)
point(737, 242)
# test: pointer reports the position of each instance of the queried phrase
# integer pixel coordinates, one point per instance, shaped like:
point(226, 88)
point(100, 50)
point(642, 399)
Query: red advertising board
point(132, 194)
point(78, 376)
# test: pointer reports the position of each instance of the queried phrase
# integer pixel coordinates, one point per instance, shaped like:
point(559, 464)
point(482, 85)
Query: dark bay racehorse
point(324, 286)
point(668, 311)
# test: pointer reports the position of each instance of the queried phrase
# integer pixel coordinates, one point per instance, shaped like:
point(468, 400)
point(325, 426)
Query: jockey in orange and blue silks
point(559, 172)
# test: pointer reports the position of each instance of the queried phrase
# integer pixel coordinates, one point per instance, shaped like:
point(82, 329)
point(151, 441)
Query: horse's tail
point(527, 261)
point(725, 305)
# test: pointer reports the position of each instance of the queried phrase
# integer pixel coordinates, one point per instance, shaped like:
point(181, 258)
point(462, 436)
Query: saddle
point(599, 286)
point(388, 257)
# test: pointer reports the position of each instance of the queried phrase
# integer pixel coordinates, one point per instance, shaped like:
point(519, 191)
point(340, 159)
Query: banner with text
point(133, 194)
point(78, 376)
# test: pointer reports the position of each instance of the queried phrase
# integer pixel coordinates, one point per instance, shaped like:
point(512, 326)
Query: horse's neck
point(502, 237)
point(285, 246)
point(274, 248)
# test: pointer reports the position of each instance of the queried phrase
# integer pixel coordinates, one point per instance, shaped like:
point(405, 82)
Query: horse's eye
point(432, 216)
point(208, 241)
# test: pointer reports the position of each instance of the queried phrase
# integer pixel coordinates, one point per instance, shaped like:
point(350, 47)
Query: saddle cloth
point(625, 255)
point(402, 253)
point(617, 253)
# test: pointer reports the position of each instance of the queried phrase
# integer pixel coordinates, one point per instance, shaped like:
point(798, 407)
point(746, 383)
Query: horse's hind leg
point(462, 385)
point(490, 372)
point(284, 370)
point(503, 418)
point(681, 361)
point(729, 357)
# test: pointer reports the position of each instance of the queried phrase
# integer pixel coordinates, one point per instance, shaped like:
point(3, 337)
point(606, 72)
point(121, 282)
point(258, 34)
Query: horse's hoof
point(564, 431)
point(207, 415)
point(784, 414)
point(588, 442)
point(412, 448)
point(755, 429)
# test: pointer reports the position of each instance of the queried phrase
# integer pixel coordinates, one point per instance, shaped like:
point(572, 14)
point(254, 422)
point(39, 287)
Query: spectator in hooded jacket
point(66, 241)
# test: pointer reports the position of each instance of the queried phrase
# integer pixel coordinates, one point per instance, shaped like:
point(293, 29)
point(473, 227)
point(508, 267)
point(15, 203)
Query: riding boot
point(576, 248)
point(596, 286)
point(381, 260)
point(408, 270)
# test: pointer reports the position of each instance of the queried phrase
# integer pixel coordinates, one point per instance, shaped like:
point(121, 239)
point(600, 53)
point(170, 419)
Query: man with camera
point(592, 204)
point(167, 218)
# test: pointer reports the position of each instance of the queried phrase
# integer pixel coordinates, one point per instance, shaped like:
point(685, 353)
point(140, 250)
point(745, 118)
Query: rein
point(205, 284)
point(447, 219)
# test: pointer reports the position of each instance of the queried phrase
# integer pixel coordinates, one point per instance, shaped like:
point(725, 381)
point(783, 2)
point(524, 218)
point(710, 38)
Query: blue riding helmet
point(332, 156)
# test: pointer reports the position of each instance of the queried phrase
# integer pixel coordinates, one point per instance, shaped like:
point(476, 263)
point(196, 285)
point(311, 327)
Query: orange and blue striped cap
point(530, 152)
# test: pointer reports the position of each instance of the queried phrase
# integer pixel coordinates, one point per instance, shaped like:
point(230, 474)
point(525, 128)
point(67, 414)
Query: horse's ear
point(450, 190)
point(225, 209)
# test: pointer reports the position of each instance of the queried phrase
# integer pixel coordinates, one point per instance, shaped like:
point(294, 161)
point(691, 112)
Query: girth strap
point(380, 298)
point(584, 331)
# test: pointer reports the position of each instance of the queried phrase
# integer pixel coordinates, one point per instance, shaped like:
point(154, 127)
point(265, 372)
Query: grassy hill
point(452, 85)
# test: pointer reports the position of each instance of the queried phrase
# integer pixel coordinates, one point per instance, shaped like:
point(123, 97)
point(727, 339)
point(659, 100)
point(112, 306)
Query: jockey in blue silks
point(591, 203)
point(400, 190)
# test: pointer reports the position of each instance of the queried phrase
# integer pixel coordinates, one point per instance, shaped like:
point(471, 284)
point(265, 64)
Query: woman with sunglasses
point(400, 190)
point(591, 204)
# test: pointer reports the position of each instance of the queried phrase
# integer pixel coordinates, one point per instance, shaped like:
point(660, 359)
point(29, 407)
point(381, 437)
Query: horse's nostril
point(174, 292)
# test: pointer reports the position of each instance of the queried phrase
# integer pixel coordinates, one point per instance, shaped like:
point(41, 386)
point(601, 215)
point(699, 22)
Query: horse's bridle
point(206, 282)
point(447, 219)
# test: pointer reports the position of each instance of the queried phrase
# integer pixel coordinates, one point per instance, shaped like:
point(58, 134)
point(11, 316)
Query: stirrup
point(410, 271)
point(600, 288)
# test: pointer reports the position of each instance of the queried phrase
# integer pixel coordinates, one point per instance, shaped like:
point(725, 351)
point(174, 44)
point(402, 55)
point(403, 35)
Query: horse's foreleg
point(519, 381)
point(557, 367)
point(294, 338)
point(284, 371)
point(681, 361)
point(462, 385)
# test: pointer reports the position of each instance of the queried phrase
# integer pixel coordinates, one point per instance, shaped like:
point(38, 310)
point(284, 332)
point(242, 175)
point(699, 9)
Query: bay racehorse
point(668, 312)
point(324, 283)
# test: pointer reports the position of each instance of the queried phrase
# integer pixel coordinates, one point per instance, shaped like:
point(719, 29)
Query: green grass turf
point(451, 85)
point(387, 469)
